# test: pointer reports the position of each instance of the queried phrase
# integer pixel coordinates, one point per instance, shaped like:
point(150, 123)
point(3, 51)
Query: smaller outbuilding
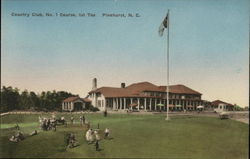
point(75, 104)
point(220, 106)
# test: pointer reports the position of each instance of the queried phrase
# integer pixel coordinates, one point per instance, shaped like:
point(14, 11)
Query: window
point(99, 103)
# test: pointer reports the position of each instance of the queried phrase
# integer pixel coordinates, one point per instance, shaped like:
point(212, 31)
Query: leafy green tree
point(9, 99)
point(35, 101)
point(24, 100)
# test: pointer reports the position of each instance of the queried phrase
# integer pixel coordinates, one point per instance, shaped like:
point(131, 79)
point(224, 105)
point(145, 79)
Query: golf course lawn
point(140, 136)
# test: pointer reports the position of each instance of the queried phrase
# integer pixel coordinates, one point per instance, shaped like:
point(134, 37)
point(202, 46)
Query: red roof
point(136, 89)
point(181, 89)
point(72, 99)
point(86, 100)
point(217, 102)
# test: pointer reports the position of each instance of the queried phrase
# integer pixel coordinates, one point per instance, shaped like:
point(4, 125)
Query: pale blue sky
point(209, 45)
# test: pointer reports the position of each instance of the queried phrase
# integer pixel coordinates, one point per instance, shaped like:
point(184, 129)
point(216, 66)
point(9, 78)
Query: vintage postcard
point(125, 79)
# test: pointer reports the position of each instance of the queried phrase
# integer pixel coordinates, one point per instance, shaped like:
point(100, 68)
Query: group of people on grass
point(71, 140)
point(92, 135)
point(47, 123)
point(19, 136)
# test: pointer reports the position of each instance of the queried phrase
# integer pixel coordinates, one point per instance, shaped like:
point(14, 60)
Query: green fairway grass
point(140, 136)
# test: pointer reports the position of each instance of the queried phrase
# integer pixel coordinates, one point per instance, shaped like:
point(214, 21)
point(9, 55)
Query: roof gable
point(181, 89)
point(217, 102)
point(137, 88)
point(142, 86)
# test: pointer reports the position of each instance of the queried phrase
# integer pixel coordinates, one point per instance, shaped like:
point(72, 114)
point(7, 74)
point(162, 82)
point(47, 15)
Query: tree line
point(14, 99)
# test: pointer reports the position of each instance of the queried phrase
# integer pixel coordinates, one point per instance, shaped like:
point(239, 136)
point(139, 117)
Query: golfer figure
point(106, 133)
point(97, 145)
point(105, 113)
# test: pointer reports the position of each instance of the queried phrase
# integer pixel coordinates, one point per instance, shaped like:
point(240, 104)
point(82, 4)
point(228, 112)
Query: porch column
point(138, 102)
point(124, 103)
point(164, 102)
point(72, 106)
point(113, 103)
point(150, 104)
point(120, 103)
point(183, 106)
point(83, 105)
point(145, 104)
point(117, 103)
point(160, 103)
point(131, 101)
point(155, 103)
point(186, 104)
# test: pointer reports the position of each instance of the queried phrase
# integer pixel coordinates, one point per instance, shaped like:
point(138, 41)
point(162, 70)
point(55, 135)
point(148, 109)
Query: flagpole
point(167, 118)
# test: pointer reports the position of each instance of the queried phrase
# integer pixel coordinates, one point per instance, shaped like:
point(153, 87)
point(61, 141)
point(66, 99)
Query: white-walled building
point(219, 105)
point(74, 104)
point(143, 96)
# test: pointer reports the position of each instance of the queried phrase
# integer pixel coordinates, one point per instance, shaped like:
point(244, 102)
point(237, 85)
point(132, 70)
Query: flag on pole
point(163, 25)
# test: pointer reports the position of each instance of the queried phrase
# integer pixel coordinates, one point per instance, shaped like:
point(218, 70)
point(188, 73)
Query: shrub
point(93, 109)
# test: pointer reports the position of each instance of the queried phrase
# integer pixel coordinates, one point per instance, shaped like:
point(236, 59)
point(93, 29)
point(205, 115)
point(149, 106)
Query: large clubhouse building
point(144, 96)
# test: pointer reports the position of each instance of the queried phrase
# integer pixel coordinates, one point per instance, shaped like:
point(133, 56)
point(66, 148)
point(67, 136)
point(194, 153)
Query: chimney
point(94, 84)
point(122, 85)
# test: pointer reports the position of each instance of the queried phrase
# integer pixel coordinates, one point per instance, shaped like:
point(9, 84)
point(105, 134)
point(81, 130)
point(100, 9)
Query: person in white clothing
point(106, 133)
point(91, 136)
point(97, 136)
point(87, 135)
